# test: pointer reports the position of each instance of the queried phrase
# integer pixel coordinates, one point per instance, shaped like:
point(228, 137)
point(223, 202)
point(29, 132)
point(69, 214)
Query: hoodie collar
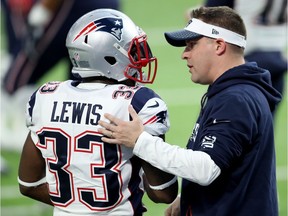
point(248, 73)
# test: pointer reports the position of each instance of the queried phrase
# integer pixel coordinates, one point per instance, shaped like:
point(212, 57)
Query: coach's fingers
point(133, 113)
point(175, 207)
point(110, 140)
point(113, 120)
point(168, 211)
point(108, 126)
point(106, 132)
point(108, 136)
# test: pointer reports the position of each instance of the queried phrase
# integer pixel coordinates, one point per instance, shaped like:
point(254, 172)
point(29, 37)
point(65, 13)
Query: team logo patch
point(208, 141)
point(49, 87)
point(110, 25)
point(214, 31)
point(158, 118)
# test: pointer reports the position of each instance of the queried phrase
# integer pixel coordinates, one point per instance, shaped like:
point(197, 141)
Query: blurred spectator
point(15, 16)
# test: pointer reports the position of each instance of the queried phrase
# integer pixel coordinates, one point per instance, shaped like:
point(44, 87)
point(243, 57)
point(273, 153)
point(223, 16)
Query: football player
point(64, 162)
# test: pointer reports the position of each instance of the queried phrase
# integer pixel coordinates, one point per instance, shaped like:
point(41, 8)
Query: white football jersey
point(85, 175)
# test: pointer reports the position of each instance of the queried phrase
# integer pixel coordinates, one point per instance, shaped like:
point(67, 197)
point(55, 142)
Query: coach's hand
point(121, 132)
point(174, 208)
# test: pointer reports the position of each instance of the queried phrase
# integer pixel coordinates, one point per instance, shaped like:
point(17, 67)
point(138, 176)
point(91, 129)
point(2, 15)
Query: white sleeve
point(195, 166)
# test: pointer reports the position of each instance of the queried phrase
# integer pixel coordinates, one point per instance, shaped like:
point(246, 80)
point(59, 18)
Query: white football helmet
point(106, 42)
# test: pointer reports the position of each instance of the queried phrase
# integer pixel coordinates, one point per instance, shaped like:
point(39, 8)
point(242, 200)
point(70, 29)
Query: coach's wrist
point(140, 142)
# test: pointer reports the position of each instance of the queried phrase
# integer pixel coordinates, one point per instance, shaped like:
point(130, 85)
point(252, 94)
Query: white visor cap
point(197, 28)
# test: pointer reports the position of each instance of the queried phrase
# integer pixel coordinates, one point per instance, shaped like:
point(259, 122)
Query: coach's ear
point(220, 46)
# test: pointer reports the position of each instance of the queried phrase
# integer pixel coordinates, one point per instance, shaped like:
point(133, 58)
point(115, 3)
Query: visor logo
point(215, 32)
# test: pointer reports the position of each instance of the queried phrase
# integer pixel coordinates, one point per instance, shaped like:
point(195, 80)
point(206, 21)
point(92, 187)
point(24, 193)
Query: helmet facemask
point(140, 56)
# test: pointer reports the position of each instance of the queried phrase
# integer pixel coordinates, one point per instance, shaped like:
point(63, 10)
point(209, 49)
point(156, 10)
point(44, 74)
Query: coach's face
point(199, 55)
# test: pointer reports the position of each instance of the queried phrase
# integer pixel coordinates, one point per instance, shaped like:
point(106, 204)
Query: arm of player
point(161, 187)
point(31, 173)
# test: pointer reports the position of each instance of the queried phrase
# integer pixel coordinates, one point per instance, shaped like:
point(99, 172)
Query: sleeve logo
point(208, 141)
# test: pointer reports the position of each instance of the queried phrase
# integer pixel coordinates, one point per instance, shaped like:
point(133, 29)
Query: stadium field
point(172, 83)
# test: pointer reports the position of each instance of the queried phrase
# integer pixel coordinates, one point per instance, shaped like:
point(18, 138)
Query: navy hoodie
point(235, 127)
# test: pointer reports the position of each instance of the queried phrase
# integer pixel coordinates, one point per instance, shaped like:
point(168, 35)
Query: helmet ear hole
point(86, 39)
point(110, 59)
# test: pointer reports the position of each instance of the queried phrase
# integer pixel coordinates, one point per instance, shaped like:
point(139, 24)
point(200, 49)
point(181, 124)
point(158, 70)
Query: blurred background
point(172, 83)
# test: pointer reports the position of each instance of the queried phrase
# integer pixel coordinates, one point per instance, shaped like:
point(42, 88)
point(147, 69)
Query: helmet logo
point(110, 25)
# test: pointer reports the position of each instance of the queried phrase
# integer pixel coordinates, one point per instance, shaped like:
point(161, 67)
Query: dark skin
point(158, 196)
point(32, 168)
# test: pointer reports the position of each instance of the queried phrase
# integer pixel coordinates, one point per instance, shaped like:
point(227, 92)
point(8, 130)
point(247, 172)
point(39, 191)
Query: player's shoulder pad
point(141, 96)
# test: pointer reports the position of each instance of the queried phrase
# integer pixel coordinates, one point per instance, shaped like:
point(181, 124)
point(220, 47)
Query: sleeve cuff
point(143, 142)
point(140, 141)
